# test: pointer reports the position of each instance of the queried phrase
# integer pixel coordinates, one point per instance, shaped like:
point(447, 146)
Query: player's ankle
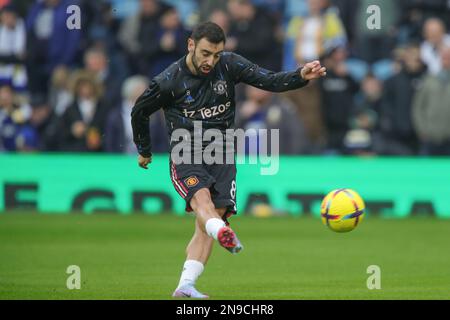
point(187, 284)
point(191, 271)
point(213, 226)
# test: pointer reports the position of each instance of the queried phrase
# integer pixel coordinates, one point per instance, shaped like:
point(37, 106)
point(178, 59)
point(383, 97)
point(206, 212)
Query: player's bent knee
point(201, 202)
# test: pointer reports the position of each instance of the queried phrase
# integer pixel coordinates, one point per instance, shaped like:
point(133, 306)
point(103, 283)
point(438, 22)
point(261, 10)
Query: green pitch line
point(140, 257)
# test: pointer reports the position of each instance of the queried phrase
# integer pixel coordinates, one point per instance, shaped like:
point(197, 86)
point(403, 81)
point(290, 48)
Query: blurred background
point(387, 90)
point(70, 91)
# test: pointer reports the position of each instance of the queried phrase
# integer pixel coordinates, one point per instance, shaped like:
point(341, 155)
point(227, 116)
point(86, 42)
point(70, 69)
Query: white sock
point(191, 271)
point(213, 226)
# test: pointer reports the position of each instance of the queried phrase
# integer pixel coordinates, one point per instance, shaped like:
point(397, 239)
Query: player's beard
point(198, 69)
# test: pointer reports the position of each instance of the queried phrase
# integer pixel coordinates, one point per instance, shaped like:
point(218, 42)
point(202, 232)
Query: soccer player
point(200, 88)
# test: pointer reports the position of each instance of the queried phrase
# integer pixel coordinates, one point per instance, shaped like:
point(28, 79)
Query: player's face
point(205, 55)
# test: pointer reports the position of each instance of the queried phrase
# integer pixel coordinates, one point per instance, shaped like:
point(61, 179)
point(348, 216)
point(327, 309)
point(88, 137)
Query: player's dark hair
point(209, 30)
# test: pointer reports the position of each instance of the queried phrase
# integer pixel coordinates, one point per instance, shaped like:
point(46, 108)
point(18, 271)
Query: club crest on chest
point(220, 87)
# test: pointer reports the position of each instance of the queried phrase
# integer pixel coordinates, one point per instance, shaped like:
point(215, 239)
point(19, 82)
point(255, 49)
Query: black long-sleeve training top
point(186, 97)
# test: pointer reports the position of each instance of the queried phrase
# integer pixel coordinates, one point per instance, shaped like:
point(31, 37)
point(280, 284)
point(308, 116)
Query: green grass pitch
point(140, 257)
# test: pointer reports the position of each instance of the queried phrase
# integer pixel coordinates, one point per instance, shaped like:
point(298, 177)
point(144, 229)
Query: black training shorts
point(220, 179)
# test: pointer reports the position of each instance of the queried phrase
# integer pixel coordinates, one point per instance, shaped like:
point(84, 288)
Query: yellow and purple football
point(342, 210)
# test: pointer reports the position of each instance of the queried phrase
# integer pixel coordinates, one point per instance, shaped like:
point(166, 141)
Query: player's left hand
point(313, 70)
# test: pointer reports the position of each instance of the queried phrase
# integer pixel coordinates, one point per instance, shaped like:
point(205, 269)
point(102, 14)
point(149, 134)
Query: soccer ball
point(342, 210)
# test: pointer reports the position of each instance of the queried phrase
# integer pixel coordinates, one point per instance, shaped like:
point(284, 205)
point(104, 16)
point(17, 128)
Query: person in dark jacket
point(364, 121)
point(169, 43)
point(253, 33)
point(338, 90)
point(396, 127)
point(81, 125)
point(50, 43)
point(137, 34)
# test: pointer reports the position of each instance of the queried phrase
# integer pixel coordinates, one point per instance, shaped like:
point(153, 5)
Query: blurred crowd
point(387, 91)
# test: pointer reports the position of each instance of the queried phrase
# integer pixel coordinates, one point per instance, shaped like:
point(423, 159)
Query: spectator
point(308, 39)
point(308, 110)
point(222, 19)
point(187, 10)
point(338, 91)
point(16, 134)
point(170, 43)
point(360, 138)
point(371, 94)
point(104, 26)
point(317, 33)
point(50, 43)
point(41, 119)
point(118, 131)
point(434, 32)
point(82, 124)
point(413, 14)
point(397, 133)
point(91, 17)
point(59, 95)
point(253, 34)
point(431, 110)
point(102, 53)
point(264, 110)
point(207, 7)
point(109, 76)
point(12, 49)
point(137, 33)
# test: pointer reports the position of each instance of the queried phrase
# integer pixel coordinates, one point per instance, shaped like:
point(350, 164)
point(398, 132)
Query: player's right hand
point(144, 162)
point(313, 70)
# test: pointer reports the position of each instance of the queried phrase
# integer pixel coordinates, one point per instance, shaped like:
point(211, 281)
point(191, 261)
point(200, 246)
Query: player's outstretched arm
point(313, 70)
point(246, 71)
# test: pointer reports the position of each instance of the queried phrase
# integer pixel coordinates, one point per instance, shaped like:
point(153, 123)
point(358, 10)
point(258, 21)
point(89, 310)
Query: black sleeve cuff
point(145, 152)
